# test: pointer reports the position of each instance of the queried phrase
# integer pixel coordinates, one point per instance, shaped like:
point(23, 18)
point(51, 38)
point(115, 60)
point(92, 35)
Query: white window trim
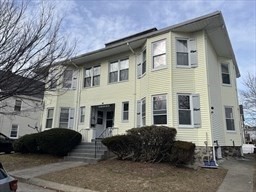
point(225, 84)
point(152, 108)
point(152, 58)
point(80, 115)
point(70, 80)
point(192, 125)
point(92, 75)
point(229, 131)
point(69, 115)
point(118, 70)
point(122, 112)
point(17, 132)
point(140, 64)
point(48, 118)
point(189, 47)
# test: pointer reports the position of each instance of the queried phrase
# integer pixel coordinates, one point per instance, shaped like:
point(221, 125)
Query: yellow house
point(182, 76)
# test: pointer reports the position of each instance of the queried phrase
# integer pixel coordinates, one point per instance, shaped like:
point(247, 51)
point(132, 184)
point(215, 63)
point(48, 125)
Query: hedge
point(182, 152)
point(57, 141)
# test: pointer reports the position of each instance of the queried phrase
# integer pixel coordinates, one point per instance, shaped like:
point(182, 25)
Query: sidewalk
point(240, 175)
point(28, 176)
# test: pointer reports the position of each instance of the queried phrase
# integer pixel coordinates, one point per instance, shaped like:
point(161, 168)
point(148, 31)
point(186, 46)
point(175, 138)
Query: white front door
point(105, 119)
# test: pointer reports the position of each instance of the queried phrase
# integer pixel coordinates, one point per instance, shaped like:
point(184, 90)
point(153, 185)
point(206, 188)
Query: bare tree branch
point(29, 47)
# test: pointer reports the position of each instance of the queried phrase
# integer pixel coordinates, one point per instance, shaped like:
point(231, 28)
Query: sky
point(92, 23)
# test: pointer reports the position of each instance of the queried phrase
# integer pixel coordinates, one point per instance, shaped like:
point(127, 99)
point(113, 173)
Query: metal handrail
point(101, 136)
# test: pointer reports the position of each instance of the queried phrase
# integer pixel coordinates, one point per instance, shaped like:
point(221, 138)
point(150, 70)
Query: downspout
point(135, 81)
point(78, 95)
point(209, 102)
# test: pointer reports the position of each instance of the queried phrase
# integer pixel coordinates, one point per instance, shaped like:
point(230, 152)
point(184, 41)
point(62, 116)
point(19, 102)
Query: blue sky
point(94, 23)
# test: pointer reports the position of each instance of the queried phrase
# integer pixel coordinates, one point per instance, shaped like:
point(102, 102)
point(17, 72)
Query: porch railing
point(105, 133)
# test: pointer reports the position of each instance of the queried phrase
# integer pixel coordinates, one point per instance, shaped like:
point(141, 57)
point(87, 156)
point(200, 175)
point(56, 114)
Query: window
point(66, 118)
point(53, 79)
point(141, 60)
point(229, 119)
point(159, 109)
point(82, 114)
point(189, 110)
point(118, 71)
point(141, 112)
point(14, 131)
point(225, 74)
point(17, 106)
point(49, 118)
point(186, 52)
point(92, 76)
point(67, 78)
point(159, 54)
point(125, 112)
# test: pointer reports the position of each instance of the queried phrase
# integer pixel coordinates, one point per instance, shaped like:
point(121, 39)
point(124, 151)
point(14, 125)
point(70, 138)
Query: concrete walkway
point(28, 176)
point(240, 175)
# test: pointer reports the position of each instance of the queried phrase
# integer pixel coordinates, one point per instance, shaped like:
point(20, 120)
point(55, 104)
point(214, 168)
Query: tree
point(249, 99)
point(30, 47)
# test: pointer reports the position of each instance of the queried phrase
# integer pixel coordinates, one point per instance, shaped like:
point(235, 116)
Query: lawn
point(18, 161)
point(126, 176)
point(123, 176)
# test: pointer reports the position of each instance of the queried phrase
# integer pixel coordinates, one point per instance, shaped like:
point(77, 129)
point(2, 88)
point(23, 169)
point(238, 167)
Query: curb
point(51, 185)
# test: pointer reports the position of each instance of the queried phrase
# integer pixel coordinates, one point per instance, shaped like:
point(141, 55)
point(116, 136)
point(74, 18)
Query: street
point(24, 187)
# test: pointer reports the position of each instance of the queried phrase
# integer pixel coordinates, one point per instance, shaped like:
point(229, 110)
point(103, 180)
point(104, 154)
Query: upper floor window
point(17, 106)
point(49, 118)
point(119, 70)
point(92, 76)
point(14, 131)
point(67, 78)
point(159, 109)
point(186, 52)
point(230, 123)
point(159, 54)
point(142, 63)
point(225, 74)
point(189, 110)
point(125, 112)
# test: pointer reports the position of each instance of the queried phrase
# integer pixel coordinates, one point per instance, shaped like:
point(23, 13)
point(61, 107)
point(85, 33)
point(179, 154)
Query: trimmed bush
point(26, 144)
point(58, 141)
point(121, 145)
point(182, 152)
point(155, 142)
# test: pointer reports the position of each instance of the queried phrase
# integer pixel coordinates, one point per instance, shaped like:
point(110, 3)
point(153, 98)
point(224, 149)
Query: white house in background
point(21, 114)
point(182, 76)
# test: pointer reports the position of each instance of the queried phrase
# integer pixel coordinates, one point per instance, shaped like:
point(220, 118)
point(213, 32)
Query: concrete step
point(88, 150)
point(90, 155)
point(82, 159)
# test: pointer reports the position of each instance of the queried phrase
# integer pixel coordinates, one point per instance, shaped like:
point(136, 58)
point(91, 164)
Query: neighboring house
point(182, 76)
point(21, 114)
point(250, 134)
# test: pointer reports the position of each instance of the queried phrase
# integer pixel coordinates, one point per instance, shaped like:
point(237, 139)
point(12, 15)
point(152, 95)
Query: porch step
point(85, 152)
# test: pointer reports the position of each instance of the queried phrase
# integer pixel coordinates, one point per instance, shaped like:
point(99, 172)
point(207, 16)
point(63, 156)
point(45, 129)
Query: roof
point(213, 24)
point(13, 85)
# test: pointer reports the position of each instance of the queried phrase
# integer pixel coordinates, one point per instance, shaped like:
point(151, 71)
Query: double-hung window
point(119, 70)
point(17, 106)
point(125, 111)
point(159, 109)
point(82, 114)
point(186, 52)
point(141, 63)
point(230, 123)
point(189, 110)
point(141, 112)
point(159, 54)
point(49, 118)
point(66, 118)
point(92, 76)
point(14, 131)
point(53, 80)
point(67, 78)
point(225, 74)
